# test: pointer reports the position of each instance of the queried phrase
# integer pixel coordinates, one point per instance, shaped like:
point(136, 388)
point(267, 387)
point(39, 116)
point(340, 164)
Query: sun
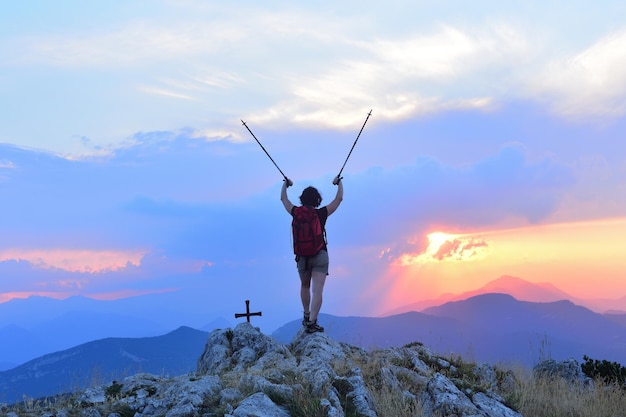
point(438, 239)
point(446, 247)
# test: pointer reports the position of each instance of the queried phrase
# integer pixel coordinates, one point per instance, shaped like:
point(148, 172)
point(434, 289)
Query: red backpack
point(308, 235)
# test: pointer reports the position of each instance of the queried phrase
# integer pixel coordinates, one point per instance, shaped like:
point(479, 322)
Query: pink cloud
point(446, 247)
point(60, 295)
point(7, 296)
point(459, 249)
point(5, 163)
point(76, 260)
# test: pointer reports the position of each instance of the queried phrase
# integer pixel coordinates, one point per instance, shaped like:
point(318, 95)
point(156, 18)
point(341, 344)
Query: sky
point(495, 147)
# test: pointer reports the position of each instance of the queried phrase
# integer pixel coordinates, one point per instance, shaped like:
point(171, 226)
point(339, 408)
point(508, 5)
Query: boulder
point(259, 405)
point(568, 370)
point(442, 397)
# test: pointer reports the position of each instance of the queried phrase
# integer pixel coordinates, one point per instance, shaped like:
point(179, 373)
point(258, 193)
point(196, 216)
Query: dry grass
point(396, 404)
point(546, 397)
point(530, 396)
point(533, 398)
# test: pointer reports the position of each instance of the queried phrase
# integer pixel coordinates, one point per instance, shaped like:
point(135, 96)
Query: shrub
point(113, 390)
point(609, 372)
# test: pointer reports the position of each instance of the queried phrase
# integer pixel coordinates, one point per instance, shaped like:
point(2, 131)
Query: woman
point(313, 270)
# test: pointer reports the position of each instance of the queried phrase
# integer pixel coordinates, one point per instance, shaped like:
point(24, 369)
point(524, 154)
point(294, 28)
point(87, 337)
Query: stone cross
point(247, 314)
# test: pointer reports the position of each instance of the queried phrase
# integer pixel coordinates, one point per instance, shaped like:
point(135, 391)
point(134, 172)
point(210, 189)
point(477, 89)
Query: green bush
point(610, 372)
point(114, 390)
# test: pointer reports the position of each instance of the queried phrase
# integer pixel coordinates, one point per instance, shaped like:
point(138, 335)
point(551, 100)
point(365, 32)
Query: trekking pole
point(268, 155)
point(354, 144)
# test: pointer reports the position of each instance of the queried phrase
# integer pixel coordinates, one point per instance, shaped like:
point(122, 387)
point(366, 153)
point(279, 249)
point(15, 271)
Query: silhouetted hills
point(40, 325)
point(22, 344)
point(557, 329)
point(618, 318)
point(380, 332)
point(521, 290)
point(487, 328)
point(103, 360)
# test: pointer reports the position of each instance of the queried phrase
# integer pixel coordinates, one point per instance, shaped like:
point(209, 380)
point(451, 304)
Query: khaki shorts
point(317, 263)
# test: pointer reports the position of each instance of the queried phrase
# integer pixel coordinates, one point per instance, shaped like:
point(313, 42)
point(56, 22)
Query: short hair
point(310, 197)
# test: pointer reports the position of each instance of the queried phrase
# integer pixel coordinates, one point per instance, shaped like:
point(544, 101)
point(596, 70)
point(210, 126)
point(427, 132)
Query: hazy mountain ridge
point(521, 290)
point(560, 329)
point(76, 320)
point(107, 359)
point(487, 328)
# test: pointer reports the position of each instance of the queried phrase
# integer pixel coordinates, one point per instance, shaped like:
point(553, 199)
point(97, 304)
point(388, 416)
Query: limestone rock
point(259, 405)
point(243, 372)
point(492, 405)
point(442, 397)
point(568, 369)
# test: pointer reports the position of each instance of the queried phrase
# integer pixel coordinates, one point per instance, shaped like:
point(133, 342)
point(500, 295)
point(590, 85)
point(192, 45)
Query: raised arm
point(332, 206)
point(283, 195)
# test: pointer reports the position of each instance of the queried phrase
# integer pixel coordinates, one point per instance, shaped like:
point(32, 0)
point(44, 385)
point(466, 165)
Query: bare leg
point(318, 278)
point(305, 291)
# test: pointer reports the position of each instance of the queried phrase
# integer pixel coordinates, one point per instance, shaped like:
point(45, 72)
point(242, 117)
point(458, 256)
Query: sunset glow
point(584, 259)
point(58, 295)
point(25, 294)
point(72, 260)
point(445, 247)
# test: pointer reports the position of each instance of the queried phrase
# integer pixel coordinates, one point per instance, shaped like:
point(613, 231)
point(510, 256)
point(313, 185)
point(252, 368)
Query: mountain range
point(494, 328)
point(103, 360)
point(488, 328)
point(524, 291)
point(76, 320)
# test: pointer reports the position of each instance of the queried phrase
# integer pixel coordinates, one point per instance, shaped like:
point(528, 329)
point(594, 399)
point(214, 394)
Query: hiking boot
point(313, 327)
point(306, 318)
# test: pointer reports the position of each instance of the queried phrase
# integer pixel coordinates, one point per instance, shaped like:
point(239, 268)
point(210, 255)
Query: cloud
point(171, 210)
point(302, 67)
point(75, 260)
point(132, 44)
point(7, 296)
point(402, 77)
point(590, 83)
point(53, 271)
point(6, 164)
point(445, 247)
point(165, 93)
point(406, 201)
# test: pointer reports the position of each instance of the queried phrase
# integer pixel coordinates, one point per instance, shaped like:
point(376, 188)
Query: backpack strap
point(293, 209)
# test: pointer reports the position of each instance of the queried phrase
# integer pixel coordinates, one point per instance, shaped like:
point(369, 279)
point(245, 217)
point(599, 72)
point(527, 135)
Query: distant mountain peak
point(535, 290)
point(500, 296)
point(516, 287)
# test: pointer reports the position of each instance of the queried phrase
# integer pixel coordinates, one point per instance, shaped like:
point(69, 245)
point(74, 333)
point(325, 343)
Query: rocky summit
point(243, 372)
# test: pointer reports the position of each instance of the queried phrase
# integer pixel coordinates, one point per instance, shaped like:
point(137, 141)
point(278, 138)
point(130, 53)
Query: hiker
point(312, 269)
